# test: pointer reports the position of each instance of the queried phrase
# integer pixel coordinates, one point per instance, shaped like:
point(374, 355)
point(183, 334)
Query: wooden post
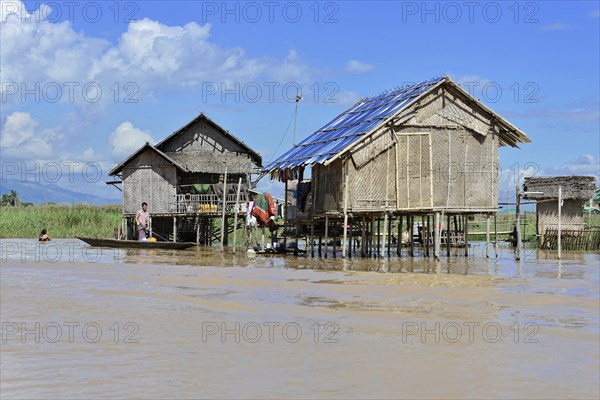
point(379, 241)
point(411, 235)
point(436, 237)
point(487, 236)
point(518, 224)
point(285, 212)
point(427, 235)
point(333, 247)
point(423, 238)
point(326, 234)
point(389, 247)
point(320, 245)
point(466, 235)
point(197, 220)
point(495, 236)
point(399, 241)
point(174, 228)
point(448, 240)
point(350, 240)
point(223, 210)
point(237, 209)
point(559, 222)
point(345, 215)
point(363, 244)
point(312, 236)
point(371, 241)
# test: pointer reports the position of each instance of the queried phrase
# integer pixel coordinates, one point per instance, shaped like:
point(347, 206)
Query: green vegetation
point(505, 222)
point(10, 199)
point(61, 221)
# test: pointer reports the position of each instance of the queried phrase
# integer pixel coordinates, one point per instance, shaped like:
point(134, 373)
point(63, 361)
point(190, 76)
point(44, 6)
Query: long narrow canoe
point(100, 242)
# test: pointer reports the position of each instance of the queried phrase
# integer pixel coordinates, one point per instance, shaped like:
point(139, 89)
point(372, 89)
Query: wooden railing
point(572, 239)
point(203, 203)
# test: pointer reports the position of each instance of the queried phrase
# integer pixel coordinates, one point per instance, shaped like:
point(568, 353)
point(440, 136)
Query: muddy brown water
point(79, 322)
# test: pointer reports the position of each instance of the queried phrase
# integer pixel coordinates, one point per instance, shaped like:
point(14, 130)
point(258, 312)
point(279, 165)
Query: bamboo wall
point(148, 178)
point(201, 136)
point(327, 186)
point(571, 215)
point(442, 154)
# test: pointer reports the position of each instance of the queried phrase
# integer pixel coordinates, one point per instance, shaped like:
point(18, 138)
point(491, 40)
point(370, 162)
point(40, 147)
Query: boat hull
point(100, 242)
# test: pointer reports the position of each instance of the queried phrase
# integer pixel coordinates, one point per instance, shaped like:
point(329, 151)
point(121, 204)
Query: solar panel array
point(350, 126)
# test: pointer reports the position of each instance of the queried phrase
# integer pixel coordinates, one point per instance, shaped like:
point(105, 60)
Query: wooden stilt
point(487, 236)
point(326, 234)
point(411, 235)
point(237, 209)
point(399, 241)
point(350, 241)
point(363, 244)
point(379, 241)
point(312, 237)
point(320, 245)
point(427, 236)
point(448, 237)
point(466, 229)
point(174, 228)
point(495, 236)
point(223, 231)
point(371, 237)
point(436, 237)
point(389, 239)
point(518, 224)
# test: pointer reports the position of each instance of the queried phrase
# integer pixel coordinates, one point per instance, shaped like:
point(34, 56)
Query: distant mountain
point(36, 193)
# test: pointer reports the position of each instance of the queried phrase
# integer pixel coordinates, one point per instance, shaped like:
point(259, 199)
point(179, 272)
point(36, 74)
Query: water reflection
point(534, 263)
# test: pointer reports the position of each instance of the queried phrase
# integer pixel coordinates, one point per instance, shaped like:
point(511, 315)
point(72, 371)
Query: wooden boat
point(100, 242)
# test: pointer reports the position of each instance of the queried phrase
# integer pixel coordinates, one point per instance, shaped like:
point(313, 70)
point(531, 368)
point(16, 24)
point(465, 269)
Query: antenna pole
point(298, 98)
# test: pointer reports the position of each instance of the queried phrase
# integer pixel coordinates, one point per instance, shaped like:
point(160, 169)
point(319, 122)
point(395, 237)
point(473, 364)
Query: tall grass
point(61, 221)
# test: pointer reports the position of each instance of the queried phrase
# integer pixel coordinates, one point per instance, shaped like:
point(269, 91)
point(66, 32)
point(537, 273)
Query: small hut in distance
point(544, 190)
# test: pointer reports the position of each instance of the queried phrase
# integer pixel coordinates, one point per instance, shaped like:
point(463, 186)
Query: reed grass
point(61, 221)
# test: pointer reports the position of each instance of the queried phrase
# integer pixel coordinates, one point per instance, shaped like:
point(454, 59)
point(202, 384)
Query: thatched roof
point(573, 187)
point(213, 163)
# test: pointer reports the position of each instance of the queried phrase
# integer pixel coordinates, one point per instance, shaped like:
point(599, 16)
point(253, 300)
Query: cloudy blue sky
point(89, 82)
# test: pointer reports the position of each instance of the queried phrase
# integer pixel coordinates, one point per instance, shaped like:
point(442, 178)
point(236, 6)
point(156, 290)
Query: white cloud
point(150, 55)
point(357, 67)
point(586, 165)
point(127, 138)
point(21, 138)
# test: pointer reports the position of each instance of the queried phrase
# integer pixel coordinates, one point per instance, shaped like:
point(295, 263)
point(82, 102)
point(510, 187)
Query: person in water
point(44, 236)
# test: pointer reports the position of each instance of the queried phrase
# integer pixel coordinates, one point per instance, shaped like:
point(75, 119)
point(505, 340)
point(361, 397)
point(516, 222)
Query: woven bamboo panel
point(414, 171)
point(329, 187)
point(213, 162)
point(372, 147)
point(571, 215)
point(148, 179)
point(367, 185)
point(467, 176)
point(201, 136)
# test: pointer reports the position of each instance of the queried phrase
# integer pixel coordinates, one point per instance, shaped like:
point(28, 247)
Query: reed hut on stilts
point(420, 158)
point(190, 181)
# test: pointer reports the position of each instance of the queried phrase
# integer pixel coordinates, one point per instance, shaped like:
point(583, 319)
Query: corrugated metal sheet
point(348, 127)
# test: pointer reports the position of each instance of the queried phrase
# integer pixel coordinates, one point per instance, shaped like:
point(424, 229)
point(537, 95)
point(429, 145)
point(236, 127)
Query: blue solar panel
point(350, 126)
